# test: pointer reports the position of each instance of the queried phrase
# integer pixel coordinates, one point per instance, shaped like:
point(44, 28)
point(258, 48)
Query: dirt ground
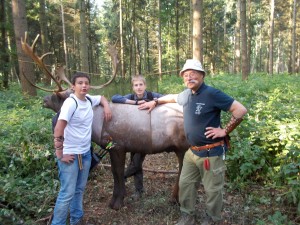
point(155, 208)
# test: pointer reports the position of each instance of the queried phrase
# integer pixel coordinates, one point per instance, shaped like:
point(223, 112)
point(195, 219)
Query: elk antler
point(112, 51)
point(29, 50)
point(59, 72)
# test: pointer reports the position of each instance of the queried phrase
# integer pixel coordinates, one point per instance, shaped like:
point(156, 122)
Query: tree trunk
point(4, 58)
point(83, 38)
point(197, 30)
point(293, 61)
point(159, 41)
point(237, 43)
point(177, 34)
point(64, 37)
point(44, 38)
point(249, 35)
point(20, 27)
point(133, 46)
point(271, 36)
point(245, 70)
point(121, 39)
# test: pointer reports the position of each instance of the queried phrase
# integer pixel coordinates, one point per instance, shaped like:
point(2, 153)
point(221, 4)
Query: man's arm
point(59, 141)
point(122, 99)
point(172, 98)
point(107, 110)
point(237, 111)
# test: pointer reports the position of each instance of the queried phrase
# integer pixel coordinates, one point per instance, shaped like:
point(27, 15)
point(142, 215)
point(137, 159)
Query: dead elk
point(132, 130)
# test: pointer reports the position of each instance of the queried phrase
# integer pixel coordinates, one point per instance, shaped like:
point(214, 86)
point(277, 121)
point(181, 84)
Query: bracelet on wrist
point(59, 148)
point(136, 102)
point(156, 102)
point(59, 139)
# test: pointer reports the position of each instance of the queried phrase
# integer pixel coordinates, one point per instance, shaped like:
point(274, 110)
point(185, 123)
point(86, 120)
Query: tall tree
point(293, 61)
point(159, 41)
point(245, 69)
point(64, 35)
point(83, 37)
point(121, 38)
point(271, 36)
point(197, 30)
point(177, 34)
point(44, 37)
point(4, 57)
point(237, 42)
point(20, 27)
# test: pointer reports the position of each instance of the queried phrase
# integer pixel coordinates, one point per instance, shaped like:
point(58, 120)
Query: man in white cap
point(204, 160)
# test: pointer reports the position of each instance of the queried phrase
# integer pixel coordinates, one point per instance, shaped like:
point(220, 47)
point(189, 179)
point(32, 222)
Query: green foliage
point(265, 147)
point(276, 219)
point(28, 182)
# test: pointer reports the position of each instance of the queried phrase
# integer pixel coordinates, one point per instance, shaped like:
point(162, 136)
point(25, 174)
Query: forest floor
point(253, 205)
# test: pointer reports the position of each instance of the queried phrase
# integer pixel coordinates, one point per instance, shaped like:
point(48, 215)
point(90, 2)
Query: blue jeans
point(72, 185)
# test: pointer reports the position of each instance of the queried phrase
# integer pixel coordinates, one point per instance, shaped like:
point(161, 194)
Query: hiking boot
point(186, 219)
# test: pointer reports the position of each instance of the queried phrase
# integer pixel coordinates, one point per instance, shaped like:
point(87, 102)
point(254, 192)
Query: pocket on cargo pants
point(213, 181)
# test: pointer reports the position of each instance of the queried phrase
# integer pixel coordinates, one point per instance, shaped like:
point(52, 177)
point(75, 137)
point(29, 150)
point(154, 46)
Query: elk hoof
point(116, 204)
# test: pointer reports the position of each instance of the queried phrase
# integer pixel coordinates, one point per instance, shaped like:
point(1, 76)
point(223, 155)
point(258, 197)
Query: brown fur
point(135, 130)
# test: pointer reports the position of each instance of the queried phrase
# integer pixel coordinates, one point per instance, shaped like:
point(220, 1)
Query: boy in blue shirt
point(140, 96)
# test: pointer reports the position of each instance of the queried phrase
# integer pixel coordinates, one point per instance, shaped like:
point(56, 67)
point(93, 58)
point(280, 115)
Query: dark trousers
point(135, 168)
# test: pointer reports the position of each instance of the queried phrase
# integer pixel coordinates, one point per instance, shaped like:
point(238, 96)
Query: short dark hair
point(79, 74)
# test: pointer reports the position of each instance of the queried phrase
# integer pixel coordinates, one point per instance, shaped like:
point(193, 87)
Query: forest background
point(250, 49)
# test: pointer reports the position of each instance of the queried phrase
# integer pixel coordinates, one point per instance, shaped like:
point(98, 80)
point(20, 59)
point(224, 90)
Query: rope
point(147, 169)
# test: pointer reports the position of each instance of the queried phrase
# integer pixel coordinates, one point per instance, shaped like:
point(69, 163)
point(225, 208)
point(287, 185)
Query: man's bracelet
point(136, 102)
point(156, 102)
point(59, 139)
point(59, 148)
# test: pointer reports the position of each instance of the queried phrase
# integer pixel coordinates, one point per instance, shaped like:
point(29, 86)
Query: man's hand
point(68, 158)
point(106, 107)
point(107, 113)
point(213, 132)
point(148, 105)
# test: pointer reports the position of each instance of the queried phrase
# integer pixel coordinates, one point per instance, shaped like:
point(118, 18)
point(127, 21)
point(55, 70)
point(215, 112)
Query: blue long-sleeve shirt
point(122, 99)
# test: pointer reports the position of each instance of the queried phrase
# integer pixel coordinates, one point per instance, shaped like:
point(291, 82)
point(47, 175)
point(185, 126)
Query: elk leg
point(117, 157)
point(132, 167)
point(174, 197)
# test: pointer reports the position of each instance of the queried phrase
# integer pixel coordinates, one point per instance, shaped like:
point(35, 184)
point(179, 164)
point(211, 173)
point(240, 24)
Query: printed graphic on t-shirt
point(198, 108)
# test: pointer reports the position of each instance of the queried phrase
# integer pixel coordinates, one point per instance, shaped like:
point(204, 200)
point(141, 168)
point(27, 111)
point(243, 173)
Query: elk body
point(131, 129)
point(134, 130)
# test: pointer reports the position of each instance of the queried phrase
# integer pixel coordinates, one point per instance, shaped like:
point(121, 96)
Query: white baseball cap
point(192, 64)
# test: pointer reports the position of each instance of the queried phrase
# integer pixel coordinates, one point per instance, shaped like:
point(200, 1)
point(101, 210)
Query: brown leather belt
point(206, 147)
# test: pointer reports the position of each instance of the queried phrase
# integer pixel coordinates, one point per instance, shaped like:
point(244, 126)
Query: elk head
point(55, 101)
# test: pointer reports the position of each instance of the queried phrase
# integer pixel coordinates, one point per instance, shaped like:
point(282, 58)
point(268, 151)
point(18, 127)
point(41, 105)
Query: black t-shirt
point(201, 110)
